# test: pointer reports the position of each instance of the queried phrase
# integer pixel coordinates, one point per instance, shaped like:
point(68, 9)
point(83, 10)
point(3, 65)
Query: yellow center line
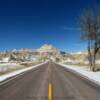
point(50, 91)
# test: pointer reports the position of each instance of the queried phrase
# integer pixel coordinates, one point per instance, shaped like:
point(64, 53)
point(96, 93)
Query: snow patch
point(8, 75)
point(8, 66)
point(5, 59)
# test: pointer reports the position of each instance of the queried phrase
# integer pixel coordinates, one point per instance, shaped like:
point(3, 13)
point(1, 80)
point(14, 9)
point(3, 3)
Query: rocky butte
point(45, 52)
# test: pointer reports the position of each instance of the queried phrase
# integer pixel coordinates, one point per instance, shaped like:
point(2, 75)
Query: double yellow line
point(50, 91)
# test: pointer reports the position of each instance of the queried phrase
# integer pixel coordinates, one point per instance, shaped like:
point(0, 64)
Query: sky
point(32, 23)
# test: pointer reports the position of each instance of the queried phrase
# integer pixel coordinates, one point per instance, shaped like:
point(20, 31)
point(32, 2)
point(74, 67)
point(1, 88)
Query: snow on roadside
point(8, 66)
point(11, 74)
point(84, 72)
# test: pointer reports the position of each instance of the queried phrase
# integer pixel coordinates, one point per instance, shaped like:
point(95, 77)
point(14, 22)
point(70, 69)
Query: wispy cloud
point(72, 28)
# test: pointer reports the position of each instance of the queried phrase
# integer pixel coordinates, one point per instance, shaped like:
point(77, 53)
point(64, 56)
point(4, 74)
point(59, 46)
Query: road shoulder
point(12, 75)
point(92, 78)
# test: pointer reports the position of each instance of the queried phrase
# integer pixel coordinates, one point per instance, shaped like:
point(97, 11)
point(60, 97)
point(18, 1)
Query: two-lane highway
point(49, 82)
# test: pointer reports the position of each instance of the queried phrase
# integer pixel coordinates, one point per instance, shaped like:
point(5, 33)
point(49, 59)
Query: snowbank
point(97, 61)
point(8, 66)
point(8, 75)
point(84, 72)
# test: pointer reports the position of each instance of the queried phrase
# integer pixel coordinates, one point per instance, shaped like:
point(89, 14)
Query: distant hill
point(45, 52)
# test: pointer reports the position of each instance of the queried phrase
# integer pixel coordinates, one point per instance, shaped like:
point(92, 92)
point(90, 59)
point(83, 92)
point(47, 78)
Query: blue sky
point(32, 23)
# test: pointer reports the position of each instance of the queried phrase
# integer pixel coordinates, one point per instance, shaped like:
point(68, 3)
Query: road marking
point(50, 91)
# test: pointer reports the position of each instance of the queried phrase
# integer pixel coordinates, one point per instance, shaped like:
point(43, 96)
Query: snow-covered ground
point(84, 72)
point(97, 61)
point(8, 66)
point(17, 72)
point(79, 61)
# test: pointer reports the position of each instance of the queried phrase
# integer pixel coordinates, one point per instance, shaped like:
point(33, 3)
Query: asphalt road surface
point(49, 82)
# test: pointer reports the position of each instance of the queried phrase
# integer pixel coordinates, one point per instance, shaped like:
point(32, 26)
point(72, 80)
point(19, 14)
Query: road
point(49, 82)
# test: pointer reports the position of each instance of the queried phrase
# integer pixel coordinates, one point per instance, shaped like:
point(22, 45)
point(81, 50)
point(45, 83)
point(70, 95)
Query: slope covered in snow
point(8, 66)
point(17, 72)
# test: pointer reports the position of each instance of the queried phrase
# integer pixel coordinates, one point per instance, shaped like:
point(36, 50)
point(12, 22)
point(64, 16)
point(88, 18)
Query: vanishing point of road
point(49, 81)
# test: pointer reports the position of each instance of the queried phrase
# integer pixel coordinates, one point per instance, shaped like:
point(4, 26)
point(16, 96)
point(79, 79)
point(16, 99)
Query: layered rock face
point(48, 50)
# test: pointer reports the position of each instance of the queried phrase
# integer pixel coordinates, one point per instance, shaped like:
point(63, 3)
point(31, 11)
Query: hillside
point(45, 52)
